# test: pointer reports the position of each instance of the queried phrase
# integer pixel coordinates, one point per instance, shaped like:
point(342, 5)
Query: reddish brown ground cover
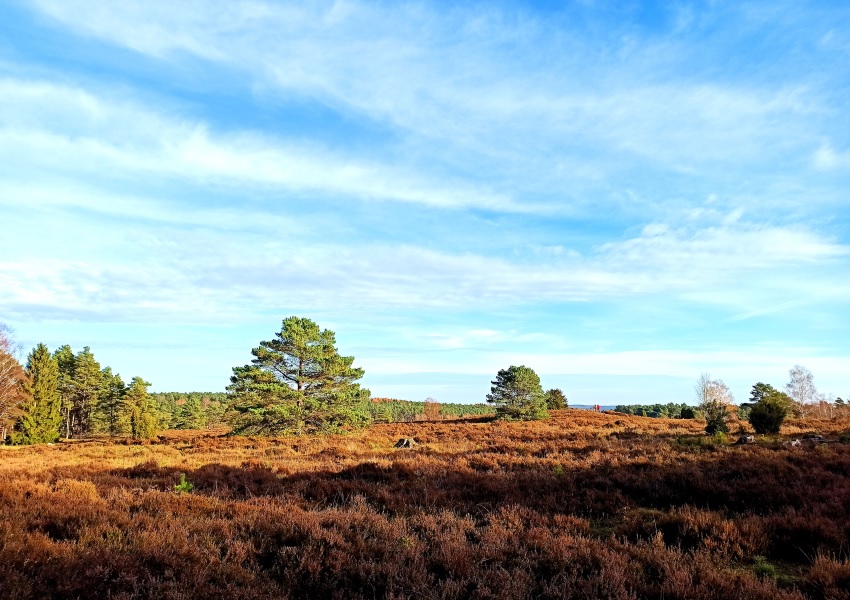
point(582, 505)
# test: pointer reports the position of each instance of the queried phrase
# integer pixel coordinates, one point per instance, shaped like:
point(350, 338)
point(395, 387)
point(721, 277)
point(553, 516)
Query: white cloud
point(826, 158)
point(770, 362)
point(464, 76)
point(203, 275)
point(641, 174)
point(72, 131)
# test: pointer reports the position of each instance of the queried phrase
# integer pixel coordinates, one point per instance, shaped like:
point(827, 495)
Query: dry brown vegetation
point(582, 505)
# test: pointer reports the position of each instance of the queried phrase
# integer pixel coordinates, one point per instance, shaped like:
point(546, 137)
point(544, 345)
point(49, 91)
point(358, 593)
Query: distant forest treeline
point(391, 410)
point(664, 411)
point(192, 410)
point(199, 410)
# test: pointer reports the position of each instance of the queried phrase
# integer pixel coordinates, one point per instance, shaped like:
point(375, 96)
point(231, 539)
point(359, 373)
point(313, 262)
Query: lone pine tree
point(298, 382)
point(517, 394)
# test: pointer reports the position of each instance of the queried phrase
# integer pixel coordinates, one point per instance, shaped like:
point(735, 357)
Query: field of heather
point(582, 505)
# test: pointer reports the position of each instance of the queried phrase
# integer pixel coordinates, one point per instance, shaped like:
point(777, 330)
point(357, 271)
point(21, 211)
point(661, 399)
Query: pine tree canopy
point(139, 411)
point(298, 380)
point(518, 394)
point(555, 399)
point(42, 417)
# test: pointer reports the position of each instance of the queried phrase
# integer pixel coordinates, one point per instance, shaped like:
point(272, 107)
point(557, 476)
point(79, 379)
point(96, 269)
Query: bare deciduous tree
point(12, 374)
point(801, 387)
point(714, 397)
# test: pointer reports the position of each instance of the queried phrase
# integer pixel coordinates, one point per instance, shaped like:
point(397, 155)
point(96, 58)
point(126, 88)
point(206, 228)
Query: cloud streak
point(455, 187)
point(71, 130)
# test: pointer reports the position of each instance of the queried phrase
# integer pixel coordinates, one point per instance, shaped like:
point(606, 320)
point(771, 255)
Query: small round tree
point(767, 415)
point(688, 412)
point(517, 394)
point(555, 399)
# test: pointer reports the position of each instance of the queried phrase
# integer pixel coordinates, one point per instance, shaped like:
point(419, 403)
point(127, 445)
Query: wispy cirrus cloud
point(199, 275)
point(489, 81)
point(590, 188)
point(70, 130)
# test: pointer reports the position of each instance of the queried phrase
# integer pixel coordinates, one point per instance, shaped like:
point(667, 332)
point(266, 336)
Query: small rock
point(746, 439)
point(405, 443)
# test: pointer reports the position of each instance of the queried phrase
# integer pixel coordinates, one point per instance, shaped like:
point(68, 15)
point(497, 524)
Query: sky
point(619, 195)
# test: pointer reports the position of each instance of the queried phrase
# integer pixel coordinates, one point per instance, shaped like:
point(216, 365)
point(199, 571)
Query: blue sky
point(619, 195)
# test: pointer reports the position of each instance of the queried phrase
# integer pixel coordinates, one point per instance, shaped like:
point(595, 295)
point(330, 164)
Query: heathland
point(580, 505)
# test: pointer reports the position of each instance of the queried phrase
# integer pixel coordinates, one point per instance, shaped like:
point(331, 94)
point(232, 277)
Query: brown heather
point(582, 505)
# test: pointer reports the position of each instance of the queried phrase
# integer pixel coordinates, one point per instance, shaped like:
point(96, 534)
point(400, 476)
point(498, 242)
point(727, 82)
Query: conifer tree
point(555, 399)
point(517, 394)
point(110, 402)
point(42, 416)
point(298, 382)
point(190, 415)
point(88, 383)
point(140, 416)
point(65, 360)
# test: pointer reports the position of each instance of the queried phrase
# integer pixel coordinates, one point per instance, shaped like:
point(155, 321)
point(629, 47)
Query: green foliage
point(42, 416)
point(298, 382)
point(517, 394)
point(191, 414)
point(65, 359)
point(719, 436)
point(192, 410)
point(663, 411)
point(767, 415)
point(760, 391)
point(184, 487)
point(139, 414)
point(81, 383)
point(555, 399)
point(87, 383)
point(687, 412)
point(715, 418)
point(110, 403)
point(70, 394)
point(763, 569)
point(401, 411)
